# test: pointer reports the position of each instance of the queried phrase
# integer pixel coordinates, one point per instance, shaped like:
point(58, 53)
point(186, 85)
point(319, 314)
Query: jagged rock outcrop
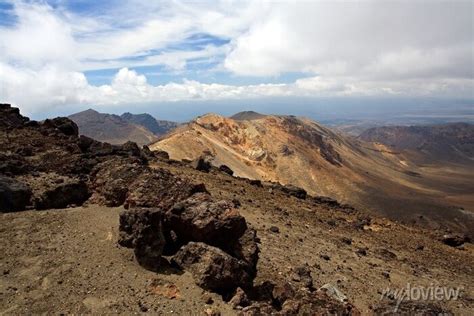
point(63, 194)
point(212, 268)
point(141, 229)
point(202, 163)
point(159, 188)
point(14, 195)
point(226, 169)
point(200, 218)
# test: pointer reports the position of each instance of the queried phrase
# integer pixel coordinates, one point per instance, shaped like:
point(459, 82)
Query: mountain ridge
point(118, 129)
point(301, 152)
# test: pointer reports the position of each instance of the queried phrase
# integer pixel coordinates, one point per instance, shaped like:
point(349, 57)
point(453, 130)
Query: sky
point(61, 56)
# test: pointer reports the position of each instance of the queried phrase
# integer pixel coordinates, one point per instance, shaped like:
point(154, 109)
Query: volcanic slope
point(139, 128)
point(68, 260)
point(299, 151)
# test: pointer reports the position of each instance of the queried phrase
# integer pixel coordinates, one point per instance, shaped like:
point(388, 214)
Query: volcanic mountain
point(141, 129)
point(446, 143)
point(93, 228)
point(301, 152)
point(157, 127)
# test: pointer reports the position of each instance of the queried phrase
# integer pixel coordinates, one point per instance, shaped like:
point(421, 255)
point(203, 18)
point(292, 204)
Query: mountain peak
point(247, 116)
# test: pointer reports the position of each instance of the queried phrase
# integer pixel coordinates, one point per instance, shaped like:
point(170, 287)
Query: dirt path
point(67, 261)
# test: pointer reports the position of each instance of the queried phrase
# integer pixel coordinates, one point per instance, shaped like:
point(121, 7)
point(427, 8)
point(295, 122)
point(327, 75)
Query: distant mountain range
point(452, 142)
point(139, 128)
point(299, 151)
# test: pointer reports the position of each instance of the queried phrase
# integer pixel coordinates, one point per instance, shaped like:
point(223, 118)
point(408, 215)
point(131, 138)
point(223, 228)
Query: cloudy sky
point(63, 55)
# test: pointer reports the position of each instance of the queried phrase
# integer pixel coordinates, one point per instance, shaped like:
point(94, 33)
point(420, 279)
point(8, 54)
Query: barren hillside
point(298, 151)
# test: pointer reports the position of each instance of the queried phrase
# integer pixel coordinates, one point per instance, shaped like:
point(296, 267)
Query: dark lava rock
point(131, 148)
point(256, 183)
point(112, 180)
point(286, 151)
point(347, 240)
point(212, 268)
point(362, 252)
point(455, 240)
point(200, 218)
point(226, 169)
point(161, 154)
point(11, 117)
point(274, 229)
point(246, 249)
point(14, 195)
point(73, 192)
point(302, 275)
point(202, 164)
point(281, 292)
point(325, 200)
point(12, 164)
point(141, 229)
point(63, 124)
point(160, 188)
point(294, 191)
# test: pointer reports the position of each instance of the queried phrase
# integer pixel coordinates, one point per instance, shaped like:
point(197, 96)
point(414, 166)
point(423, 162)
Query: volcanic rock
point(226, 169)
point(281, 292)
point(141, 229)
point(246, 249)
point(14, 195)
point(302, 275)
point(202, 164)
point(113, 178)
point(12, 164)
point(63, 194)
point(294, 191)
point(239, 299)
point(200, 218)
point(159, 188)
point(11, 117)
point(62, 124)
point(454, 240)
point(212, 268)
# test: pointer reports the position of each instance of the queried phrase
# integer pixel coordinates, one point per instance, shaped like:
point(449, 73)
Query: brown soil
point(68, 261)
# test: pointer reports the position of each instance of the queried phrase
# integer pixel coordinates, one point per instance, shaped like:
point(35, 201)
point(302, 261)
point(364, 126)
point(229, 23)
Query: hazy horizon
point(182, 59)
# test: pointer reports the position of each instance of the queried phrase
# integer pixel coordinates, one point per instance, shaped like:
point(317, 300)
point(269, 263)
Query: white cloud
point(344, 48)
point(368, 38)
point(49, 88)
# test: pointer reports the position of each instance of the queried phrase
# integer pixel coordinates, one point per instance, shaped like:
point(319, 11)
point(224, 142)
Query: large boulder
point(113, 178)
point(246, 249)
point(13, 164)
point(62, 124)
point(454, 240)
point(202, 163)
point(14, 195)
point(11, 117)
point(141, 229)
point(62, 194)
point(159, 188)
point(294, 191)
point(200, 218)
point(226, 169)
point(212, 268)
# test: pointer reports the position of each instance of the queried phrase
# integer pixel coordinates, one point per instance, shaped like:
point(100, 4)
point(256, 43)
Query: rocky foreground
point(244, 246)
